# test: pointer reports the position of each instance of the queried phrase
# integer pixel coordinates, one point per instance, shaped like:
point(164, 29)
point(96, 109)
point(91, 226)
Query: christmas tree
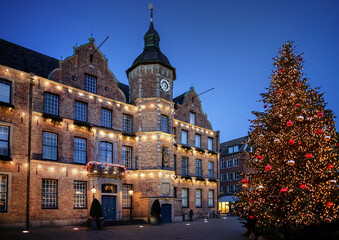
point(294, 157)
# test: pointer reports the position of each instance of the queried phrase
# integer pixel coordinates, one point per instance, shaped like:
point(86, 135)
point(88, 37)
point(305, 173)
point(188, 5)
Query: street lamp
point(130, 192)
point(93, 190)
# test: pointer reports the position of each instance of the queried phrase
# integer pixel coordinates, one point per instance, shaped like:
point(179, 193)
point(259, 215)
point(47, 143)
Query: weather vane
point(150, 7)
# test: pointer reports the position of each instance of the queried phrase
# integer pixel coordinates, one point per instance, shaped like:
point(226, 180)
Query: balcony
point(106, 169)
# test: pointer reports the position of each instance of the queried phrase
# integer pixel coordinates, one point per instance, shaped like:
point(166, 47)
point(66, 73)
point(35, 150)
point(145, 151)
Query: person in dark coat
point(191, 215)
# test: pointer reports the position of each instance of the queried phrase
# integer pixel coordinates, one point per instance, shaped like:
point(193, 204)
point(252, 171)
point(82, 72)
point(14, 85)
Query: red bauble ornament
point(281, 70)
point(298, 84)
point(308, 155)
point(302, 186)
point(259, 157)
point(244, 180)
point(268, 167)
point(319, 131)
point(329, 204)
point(283, 190)
point(300, 59)
point(330, 166)
point(279, 91)
point(297, 105)
point(251, 217)
point(299, 144)
point(320, 114)
point(265, 106)
point(289, 123)
point(291, 142)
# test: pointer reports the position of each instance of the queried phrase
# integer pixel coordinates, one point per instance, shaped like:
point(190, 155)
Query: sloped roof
point(179, 99)
point(27, 60)
point(125, 89)
point(225, 145)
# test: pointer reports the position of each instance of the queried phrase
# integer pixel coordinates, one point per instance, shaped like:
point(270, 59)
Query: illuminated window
point(127, 156)
point(210, 198)
point(90, 84)
point(49, 196)
point(126, 198)
point(197, 140)
point(51, 103)
point(106, 152)
point(80, 111)
point(184, 197)
point(80, 194)
point(198, 198)
point(106, 118)
point(49, 146)
point(164, 123)
point(184, 137)
point(3, 192)
point(5, 91)
point(80, 150)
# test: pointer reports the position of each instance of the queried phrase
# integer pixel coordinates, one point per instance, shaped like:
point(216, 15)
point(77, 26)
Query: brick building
point(70, 131)
point(231, 167)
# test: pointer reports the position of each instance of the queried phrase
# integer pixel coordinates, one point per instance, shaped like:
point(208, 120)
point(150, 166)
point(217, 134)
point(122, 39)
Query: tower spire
point(150, 7)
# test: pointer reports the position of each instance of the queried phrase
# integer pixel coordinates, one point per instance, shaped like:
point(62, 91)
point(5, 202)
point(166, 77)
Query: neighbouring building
point(70, 131)
point(231, 169)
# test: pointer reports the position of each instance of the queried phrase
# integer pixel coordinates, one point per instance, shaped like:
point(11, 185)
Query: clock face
point(165, 85)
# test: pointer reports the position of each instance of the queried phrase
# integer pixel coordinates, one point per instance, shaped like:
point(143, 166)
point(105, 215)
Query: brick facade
point(153, 161)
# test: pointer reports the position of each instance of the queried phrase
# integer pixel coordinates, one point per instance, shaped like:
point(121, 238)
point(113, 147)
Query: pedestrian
point(191, 215)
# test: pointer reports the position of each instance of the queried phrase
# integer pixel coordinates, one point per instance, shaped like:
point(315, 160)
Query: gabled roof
point(125, 89)
point(24, 59)
point(180, 99)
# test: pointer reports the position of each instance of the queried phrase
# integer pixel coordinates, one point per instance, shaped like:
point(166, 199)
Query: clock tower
point(151, 74)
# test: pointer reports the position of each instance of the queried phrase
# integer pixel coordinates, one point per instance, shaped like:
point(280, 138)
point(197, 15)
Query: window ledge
point(56, 120)
point(83, 125)
point(7, 105)
point(128, 134)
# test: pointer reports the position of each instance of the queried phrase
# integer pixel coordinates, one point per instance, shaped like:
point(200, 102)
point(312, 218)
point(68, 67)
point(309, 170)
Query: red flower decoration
point(251, 217)
point(259, 157)
point(283, 190)
point(330, 166)
point(279, 91)
point(308, 155)
point(320, 114)
point(244, 180)
point(297, 105)
point(300, 59)
point(329, 204)
point(319, 131)
point(298, 84)
point(302, 186)
point(265, 106)
point(268, 168)
point(291, 142)
point(289, 123)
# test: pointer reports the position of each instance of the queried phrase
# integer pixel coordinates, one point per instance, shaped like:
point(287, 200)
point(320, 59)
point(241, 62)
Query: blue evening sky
point(226, 44)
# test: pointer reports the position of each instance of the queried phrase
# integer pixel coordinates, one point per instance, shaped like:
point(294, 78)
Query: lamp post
point(130, 192)
point(93, 190)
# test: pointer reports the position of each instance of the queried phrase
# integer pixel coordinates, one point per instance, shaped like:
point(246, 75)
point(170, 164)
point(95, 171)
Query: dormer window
point(90, 84)
point(233, 149)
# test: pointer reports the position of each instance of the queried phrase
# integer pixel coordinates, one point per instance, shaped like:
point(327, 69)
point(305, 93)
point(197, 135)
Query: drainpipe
point(31, 83)
point(218, 171)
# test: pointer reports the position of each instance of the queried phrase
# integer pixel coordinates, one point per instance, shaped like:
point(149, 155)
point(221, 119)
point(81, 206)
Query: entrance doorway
point(166, 213)
point(109, 207)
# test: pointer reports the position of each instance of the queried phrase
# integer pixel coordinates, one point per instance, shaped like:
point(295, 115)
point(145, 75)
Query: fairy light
point(59, 87)
point(100, 100)
point(90, 96)
point(70, 90)
point(81, 94)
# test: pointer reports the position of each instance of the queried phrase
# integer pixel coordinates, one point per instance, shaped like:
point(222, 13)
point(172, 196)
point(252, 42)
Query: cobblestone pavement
point(213, 229)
